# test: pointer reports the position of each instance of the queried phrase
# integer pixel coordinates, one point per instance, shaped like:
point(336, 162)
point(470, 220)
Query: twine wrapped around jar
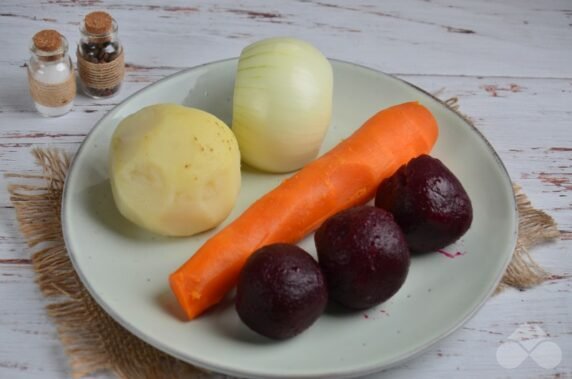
point(52, 95)
point(103, 75)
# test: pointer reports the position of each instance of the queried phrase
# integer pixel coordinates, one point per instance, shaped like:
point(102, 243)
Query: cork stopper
point(98, 23)
point(47, 40)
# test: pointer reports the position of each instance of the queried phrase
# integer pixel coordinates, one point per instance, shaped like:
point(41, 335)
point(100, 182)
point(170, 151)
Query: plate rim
point(349, 372)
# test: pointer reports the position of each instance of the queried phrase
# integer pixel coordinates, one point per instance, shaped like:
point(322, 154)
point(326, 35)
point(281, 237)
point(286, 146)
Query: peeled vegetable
point(282, 103)
point(281, 291)
point(363, 255)
point(174, 170)
point(347, 175)
point(428, 202)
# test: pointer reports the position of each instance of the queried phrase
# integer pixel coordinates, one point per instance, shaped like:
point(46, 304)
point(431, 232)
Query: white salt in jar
point(50, 74)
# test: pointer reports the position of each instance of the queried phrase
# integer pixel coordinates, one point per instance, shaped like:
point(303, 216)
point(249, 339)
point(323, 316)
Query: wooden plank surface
point(508, 62)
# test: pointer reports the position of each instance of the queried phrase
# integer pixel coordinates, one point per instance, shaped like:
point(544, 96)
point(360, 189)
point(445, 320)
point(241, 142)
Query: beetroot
point(428, 202)
point(281, 291)
point(363, 255)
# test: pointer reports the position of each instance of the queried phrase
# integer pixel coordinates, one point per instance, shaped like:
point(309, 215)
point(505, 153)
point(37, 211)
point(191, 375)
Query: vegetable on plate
point(174, 170)
point(347, 175)
point(281, 291)
point(363, 255)
point(428, 202)
point(282, 103)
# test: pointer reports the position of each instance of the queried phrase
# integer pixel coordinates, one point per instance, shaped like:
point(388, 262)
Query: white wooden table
point(509, 62)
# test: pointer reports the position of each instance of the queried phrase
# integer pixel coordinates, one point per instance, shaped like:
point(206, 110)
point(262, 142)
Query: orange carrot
point(345, 176)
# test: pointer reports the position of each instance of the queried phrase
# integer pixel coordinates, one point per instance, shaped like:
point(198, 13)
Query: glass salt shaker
point(51, 77)
point(101, 64)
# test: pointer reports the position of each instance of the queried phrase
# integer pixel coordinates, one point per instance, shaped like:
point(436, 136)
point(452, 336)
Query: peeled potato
point(174, 170)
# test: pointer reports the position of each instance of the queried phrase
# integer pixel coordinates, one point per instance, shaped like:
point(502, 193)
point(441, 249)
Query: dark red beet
point(363, 255)
point(428, 202)
point(281, 291)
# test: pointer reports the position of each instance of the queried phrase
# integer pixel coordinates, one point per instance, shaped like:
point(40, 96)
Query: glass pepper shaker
point(50, 74)
point(101, 64)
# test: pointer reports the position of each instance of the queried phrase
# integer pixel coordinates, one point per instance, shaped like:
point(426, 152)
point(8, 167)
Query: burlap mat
point(94, 342)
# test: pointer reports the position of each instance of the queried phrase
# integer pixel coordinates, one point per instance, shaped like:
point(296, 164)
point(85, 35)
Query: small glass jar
point(50, 74)
point(101, 64)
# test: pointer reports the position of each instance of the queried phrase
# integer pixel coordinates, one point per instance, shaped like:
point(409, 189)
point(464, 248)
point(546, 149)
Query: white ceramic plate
point(126, 269)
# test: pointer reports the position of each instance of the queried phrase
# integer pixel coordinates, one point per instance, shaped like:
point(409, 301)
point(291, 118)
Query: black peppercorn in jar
point(101, 64)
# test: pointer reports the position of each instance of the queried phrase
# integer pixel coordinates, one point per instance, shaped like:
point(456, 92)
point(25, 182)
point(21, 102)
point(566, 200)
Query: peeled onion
point(282, 103)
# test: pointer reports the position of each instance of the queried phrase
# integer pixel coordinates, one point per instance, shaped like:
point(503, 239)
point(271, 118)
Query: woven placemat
point(93, 341)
